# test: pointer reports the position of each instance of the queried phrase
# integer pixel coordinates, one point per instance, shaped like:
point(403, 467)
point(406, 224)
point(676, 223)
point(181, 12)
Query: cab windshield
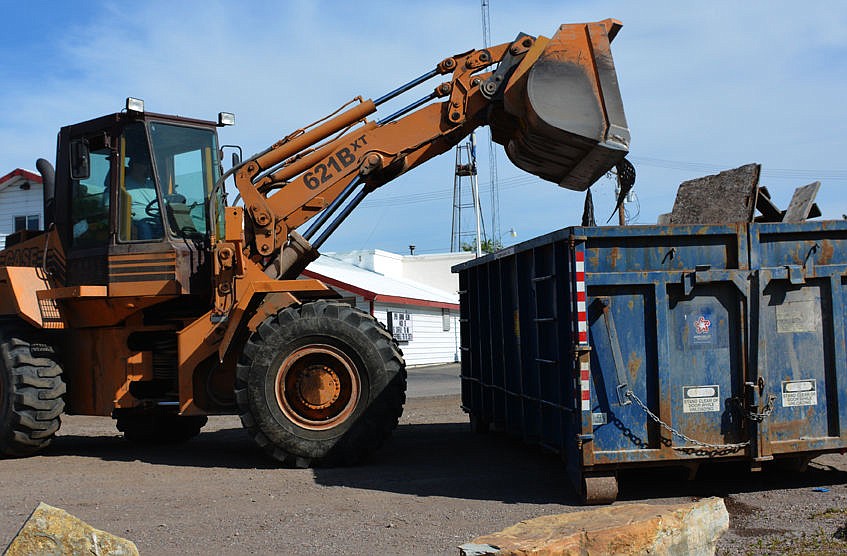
point(187, 167)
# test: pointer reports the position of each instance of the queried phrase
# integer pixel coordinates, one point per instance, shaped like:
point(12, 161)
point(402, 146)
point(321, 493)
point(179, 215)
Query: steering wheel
point(152, 209)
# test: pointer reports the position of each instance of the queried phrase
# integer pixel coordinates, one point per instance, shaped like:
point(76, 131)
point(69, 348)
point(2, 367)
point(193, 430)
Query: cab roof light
point(226, 118)
point(134, 105)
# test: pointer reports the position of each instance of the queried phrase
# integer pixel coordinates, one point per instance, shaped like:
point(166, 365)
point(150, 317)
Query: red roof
point(20, 172)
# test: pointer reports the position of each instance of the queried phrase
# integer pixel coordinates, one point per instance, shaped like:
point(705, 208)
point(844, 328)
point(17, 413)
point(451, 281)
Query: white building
point(415, 296)
point(21, 203)
point(432, 270)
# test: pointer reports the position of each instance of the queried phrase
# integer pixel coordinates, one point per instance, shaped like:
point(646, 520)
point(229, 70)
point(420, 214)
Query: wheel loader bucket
point(562, 117)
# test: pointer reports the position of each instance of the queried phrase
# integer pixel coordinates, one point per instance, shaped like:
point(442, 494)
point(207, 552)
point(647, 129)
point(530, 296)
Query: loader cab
point(134, 207)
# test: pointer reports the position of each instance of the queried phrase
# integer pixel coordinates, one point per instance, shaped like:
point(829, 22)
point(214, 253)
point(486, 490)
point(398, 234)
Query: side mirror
point(80, 159)
point(237, 154)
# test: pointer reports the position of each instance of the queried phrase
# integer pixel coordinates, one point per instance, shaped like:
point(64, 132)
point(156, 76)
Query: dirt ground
point(435, 486)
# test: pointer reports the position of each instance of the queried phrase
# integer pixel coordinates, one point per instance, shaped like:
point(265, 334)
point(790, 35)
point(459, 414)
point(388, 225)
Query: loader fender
point(18, 293)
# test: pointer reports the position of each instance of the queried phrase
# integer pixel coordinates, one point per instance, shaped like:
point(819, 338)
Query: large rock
point(52, 531)
point(627, 529)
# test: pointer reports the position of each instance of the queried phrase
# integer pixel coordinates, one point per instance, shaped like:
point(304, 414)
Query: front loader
point(150, 299)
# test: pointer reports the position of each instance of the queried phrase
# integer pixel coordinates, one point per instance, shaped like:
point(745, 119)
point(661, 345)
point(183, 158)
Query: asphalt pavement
point(433, 380)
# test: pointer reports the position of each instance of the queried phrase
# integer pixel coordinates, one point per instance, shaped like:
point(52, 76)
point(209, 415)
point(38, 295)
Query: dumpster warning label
point(799, 392)
point(701, 399)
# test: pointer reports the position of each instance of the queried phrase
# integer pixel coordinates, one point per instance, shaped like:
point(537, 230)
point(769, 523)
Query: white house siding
point(15, 201)
point(430, 344)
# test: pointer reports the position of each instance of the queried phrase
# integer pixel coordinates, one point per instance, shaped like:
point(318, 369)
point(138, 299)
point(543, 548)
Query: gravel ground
point(434, 486)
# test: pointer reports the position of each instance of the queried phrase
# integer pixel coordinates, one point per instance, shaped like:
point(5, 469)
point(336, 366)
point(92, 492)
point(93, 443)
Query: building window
point(445, 319)
point(26, 222)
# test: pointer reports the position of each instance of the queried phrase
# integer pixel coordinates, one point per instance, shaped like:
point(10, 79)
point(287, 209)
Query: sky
point(706, 86)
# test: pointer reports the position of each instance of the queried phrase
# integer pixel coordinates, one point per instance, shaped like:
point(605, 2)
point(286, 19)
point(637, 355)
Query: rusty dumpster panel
point(645, 345)
point(802, 358)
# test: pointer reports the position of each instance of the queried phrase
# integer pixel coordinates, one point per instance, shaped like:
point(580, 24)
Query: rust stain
point(705, 427)
point(664, 413)
point(825, 253)
point(634, 365)
point(792, 429)
point(614, 255)
point(594, 257)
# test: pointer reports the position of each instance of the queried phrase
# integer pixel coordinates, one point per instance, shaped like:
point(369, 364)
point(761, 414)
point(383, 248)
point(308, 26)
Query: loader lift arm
point(316, 170)
point(291, 182)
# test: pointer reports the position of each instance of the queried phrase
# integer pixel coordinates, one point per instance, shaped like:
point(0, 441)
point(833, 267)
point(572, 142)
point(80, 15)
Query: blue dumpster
point(659, 345)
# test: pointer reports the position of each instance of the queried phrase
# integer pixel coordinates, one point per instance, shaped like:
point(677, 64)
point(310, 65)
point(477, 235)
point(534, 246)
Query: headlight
point(134, 105)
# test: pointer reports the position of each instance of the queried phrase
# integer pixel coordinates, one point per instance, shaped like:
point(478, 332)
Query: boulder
point(52, 530)
point(690, 529)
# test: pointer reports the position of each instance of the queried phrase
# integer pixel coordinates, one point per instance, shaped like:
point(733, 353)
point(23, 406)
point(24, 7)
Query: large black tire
point(320, 384)
point(31, 390)
point(158, 427)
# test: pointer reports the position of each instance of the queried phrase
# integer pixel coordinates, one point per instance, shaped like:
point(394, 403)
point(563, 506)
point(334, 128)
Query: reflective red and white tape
point(581, 316)
point(582, 380)
point(585, 383)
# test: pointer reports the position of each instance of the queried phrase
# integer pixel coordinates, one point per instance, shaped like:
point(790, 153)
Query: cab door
point(89, 205)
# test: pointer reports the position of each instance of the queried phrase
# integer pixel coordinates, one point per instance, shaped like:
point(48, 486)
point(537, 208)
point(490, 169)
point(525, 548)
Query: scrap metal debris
point(734, 196)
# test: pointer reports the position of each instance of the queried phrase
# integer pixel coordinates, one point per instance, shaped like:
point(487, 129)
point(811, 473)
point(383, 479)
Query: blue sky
point(706, 86)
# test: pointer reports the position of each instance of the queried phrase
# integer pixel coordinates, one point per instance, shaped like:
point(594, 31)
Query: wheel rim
point(317, 387)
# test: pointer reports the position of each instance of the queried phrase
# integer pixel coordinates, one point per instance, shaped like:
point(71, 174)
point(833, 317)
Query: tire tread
point(369, 433)
point(33, 390)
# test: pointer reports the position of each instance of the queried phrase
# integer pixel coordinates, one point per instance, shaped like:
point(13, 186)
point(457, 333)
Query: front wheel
point(31, 391)
point(320, 384)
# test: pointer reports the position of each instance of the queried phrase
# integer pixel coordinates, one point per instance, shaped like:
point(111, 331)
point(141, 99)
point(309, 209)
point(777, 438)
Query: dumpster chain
point(752, 415)
point(732, 447)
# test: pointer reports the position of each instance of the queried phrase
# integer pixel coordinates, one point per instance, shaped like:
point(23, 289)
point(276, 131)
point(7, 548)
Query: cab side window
point(90, 203)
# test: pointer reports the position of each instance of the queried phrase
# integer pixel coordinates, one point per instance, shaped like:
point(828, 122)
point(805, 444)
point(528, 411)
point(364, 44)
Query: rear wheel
point(31, 390)
point(320, 384)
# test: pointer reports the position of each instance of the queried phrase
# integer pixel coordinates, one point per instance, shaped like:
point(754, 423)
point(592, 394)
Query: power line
point(515, 182)
point(443, 193)
point(776, 173)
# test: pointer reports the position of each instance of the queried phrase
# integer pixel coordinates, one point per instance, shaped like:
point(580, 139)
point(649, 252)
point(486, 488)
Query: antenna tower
point(492, 154)
point(466, 170)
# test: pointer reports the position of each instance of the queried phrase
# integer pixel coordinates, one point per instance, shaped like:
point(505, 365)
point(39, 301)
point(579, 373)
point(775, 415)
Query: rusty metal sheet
point(802, 203)
point(724, 198)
